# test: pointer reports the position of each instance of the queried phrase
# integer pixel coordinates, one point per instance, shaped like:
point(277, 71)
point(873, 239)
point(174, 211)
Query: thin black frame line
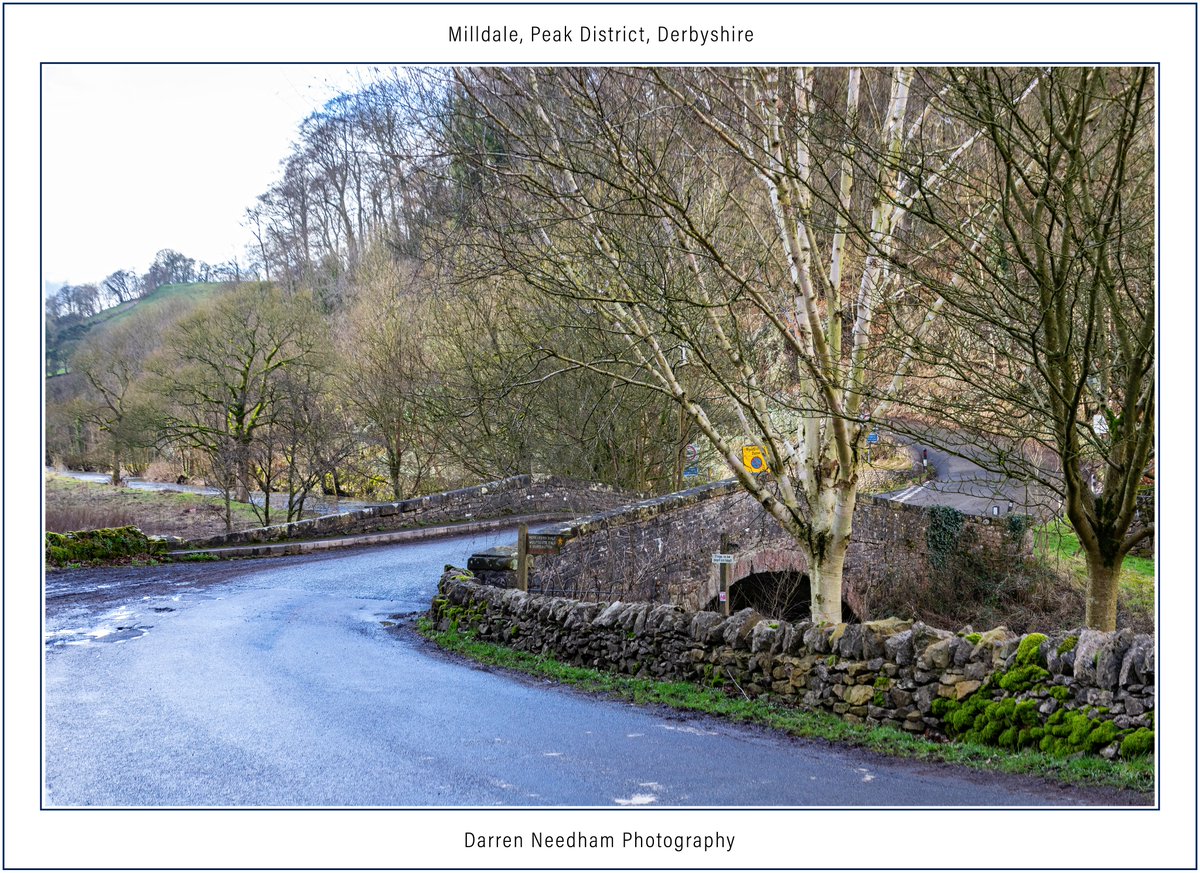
point(639, 867)
point(1195, 411)
point(600, 809)
point(3, 412)
point(578, 63)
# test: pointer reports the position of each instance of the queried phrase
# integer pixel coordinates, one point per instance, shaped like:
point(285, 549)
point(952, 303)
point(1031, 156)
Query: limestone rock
point(610, 616)
point(857, 695)
point(1099, 657)
point(966, 688)
point(938, 655)
point(876, 633)
point(739, 626)
point(1137, 667)
point(764, 637)
point(816, 638)
point(703, 623)
point(899, 648)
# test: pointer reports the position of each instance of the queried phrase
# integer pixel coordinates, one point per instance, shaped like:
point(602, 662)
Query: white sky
point(138, 158)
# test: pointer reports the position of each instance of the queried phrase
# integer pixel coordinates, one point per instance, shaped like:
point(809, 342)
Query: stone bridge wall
point(514, 496)
point(660, 550)
point(1076, 691)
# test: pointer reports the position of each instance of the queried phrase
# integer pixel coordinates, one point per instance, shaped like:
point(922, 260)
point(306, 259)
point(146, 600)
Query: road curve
point(957, 481)
point(280, 683)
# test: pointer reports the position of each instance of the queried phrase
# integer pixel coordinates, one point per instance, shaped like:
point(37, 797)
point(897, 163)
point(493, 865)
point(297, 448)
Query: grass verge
point(1134, 775)
point(1057, 544)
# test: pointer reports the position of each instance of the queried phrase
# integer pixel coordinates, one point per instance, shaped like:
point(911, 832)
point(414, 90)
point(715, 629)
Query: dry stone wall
point(1083, 691)
point(514, 496)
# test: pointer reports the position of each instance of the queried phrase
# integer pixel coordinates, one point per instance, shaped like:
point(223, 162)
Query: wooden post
point(680, 454)
point(725, 545)
point(523, 557)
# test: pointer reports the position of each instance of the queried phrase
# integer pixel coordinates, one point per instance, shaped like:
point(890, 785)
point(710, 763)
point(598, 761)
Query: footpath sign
point(753, 459)
point(692, 472)
point(719, 558)
point(691, 453)
point(872, 438)
point(545, 544)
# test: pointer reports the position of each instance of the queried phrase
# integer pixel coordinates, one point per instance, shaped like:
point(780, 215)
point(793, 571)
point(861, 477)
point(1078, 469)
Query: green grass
point(180, 297)
point(1134, 775)
point(1058, 545)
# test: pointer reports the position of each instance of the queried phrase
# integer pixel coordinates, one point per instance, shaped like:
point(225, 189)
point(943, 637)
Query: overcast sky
point(138, 158)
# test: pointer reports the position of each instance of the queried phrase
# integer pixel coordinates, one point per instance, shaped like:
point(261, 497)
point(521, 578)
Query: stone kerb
point(1066, 693)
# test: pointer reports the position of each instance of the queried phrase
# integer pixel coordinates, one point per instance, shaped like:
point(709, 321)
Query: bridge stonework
point(525, 494)
point(660, 550)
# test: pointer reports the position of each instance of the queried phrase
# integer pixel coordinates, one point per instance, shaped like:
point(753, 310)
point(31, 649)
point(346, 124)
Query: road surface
point(279, 682)
point(959, 482)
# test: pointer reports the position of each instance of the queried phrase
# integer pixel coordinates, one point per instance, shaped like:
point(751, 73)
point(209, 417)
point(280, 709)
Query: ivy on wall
point(942, 534)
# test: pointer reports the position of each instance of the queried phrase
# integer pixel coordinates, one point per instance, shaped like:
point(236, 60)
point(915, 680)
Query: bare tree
point(1045, 278)
point(384, 338)
point(113, 364)
point(705, 216)
point(221, 369)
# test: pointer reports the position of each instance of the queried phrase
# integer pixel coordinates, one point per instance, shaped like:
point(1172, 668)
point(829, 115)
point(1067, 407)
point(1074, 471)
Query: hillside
point(63, 336)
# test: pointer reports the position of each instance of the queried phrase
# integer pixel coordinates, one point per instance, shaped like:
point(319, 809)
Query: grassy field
point(1135, 775)
point(72, 504)
point(1057, 545)
point(179, 297)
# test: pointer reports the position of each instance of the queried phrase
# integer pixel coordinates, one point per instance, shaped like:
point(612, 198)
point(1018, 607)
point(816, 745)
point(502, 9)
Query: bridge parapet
point(512, 496)
point(660, 550)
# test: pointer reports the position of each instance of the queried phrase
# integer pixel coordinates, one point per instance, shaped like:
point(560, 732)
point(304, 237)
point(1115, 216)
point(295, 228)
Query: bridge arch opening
point(780, 594)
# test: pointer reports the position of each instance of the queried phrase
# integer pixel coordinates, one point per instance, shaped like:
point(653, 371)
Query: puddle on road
point(82, 637)
point(118, 626)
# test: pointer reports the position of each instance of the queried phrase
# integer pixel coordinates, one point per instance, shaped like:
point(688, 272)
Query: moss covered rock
point(93, 546)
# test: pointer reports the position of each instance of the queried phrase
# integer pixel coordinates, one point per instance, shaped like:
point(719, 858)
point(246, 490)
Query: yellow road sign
point(754, 459)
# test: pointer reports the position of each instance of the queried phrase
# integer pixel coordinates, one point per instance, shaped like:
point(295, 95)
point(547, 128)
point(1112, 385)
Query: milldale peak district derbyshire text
point(482, 33)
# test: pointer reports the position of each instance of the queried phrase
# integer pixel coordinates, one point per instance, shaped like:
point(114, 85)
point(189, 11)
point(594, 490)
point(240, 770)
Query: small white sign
point(724, 596)
point(719, 558)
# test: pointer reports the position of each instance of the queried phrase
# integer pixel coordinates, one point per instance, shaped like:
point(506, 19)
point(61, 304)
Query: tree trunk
point(394, 474)
point(1103, 579)
point(116, 470)
point(243, 474)
point(825, 580)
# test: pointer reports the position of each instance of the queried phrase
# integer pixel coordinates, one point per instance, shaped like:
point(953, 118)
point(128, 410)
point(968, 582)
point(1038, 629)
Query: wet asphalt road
point(276, 683)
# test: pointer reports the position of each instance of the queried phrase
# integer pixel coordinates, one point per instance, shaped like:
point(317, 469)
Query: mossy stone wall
point(1078, 692)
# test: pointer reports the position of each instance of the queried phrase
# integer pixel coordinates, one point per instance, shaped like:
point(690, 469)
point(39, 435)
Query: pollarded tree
point(712, 229)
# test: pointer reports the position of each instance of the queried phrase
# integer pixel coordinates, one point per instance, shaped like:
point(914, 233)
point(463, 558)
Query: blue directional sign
point(872, 437)
point(692, 472)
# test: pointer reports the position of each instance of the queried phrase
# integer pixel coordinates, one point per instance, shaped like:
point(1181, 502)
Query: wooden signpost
point(529, 545)
point(523, 557)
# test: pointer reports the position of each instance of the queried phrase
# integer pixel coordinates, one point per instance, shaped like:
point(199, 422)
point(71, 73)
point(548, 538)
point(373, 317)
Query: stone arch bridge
point(660, 550)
